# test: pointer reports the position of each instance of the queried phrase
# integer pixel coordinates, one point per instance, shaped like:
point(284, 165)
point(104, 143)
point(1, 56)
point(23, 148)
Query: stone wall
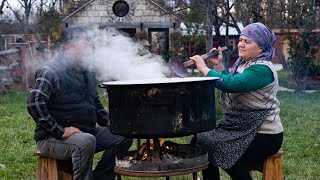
point(140, 11)
point(17, 65)
point(143, 15)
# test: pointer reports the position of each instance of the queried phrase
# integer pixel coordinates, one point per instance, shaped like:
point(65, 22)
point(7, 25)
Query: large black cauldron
point(170, 107)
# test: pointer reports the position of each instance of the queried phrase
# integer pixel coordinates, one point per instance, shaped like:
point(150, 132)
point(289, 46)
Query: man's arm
point(103, 114)
point(46, 83)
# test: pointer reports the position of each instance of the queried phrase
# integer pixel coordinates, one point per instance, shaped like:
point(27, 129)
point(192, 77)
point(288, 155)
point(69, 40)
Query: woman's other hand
point(217, 60)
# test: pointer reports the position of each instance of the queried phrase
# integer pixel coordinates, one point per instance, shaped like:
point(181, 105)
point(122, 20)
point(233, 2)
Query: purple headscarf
point(264, 37)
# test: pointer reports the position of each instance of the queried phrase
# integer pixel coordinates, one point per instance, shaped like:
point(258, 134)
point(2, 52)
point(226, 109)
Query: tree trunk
point(209, 21)
point(209, 25)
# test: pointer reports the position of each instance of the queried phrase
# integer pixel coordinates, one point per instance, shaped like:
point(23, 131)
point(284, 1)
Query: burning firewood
point(169, 157)
point(141, 151)
point(153, 152)
point(181, 150)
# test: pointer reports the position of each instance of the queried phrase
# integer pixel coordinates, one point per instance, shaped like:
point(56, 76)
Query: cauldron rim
point(158, 81)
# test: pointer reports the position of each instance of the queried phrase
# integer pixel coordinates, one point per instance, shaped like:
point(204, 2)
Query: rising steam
point(116, 57)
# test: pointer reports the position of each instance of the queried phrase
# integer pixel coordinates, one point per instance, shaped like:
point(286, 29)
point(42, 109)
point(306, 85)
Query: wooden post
point(47, 169)
point(272, 167)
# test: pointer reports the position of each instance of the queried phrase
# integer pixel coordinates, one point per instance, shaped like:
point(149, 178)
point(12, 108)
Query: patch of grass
point(16, 138)
point(300, 116)
point(299, 113)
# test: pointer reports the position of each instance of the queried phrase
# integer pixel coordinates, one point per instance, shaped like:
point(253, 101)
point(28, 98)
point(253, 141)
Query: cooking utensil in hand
point(179, 68)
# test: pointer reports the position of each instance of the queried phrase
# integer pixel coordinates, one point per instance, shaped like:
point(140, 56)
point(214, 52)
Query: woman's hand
point(201, 65)
point(217, 60)
point(68, 131)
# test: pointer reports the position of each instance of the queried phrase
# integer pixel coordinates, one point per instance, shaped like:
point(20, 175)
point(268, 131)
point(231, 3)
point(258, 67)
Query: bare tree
point(24, 17)
point(214, 14)
point(209, 21)
point(276, 13)
point(44, 5)
point(40, 7)
point(2, 5)
point(9, 25)
point(217, 14)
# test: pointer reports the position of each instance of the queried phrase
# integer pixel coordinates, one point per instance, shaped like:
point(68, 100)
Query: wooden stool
point(272, 167)
point(52, 169)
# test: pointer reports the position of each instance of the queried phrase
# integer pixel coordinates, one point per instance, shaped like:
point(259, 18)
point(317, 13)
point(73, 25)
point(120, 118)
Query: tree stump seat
point(52, 169)
point(272, 167)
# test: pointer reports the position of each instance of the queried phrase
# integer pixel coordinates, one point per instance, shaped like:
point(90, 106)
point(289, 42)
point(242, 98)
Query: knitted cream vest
point(261, 99)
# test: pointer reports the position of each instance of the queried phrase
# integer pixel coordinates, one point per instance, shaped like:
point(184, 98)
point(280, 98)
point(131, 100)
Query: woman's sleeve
point(252, 78)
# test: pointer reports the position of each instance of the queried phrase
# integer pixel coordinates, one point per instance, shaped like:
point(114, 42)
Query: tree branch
point(16, 13)
point(1, 6)
point(21, 3)
point(222, 20)
point(235, 22)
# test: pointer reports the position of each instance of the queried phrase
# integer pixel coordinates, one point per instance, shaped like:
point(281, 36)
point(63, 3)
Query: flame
point(145, 154)
point(144, 157)
point(143, 150)
point(161, 141)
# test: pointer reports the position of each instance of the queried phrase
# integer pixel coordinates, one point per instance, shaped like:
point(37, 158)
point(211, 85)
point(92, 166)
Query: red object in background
point(154, 52)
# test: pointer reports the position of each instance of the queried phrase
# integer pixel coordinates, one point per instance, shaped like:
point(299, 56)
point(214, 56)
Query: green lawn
point(300, 115)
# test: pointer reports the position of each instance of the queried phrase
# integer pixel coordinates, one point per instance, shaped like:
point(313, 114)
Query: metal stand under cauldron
point(166, 174)
point(159, 163)
point(164, 108)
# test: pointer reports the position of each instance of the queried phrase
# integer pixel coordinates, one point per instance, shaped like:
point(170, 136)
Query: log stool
point(272, 167)
point(52, 169)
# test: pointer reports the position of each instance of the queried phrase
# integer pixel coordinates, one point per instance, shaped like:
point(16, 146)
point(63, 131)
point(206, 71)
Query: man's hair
point(73, 33)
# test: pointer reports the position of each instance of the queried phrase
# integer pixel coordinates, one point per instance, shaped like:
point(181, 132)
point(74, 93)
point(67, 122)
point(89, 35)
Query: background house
point(143, 19)
point(282, 44)
point(233, 38)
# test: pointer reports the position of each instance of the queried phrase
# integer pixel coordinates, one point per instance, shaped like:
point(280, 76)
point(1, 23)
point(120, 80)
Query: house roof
point(77, 10)
point(232, 30)
point(156, 4)
point(90, 1)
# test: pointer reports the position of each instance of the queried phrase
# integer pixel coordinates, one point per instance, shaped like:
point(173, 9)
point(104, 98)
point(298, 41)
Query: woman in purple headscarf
point(251, 128)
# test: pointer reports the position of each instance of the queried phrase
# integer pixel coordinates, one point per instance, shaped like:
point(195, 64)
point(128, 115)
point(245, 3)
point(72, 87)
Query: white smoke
point(116, 57)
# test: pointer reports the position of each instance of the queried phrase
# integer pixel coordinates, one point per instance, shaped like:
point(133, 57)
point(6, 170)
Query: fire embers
point(157, 151)
point(156, 155)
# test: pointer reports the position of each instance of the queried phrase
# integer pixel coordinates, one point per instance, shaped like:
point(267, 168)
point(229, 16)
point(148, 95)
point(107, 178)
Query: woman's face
point(247, 48)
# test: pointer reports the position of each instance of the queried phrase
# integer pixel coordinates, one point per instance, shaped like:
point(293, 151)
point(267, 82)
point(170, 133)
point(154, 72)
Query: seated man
point(65, 106)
